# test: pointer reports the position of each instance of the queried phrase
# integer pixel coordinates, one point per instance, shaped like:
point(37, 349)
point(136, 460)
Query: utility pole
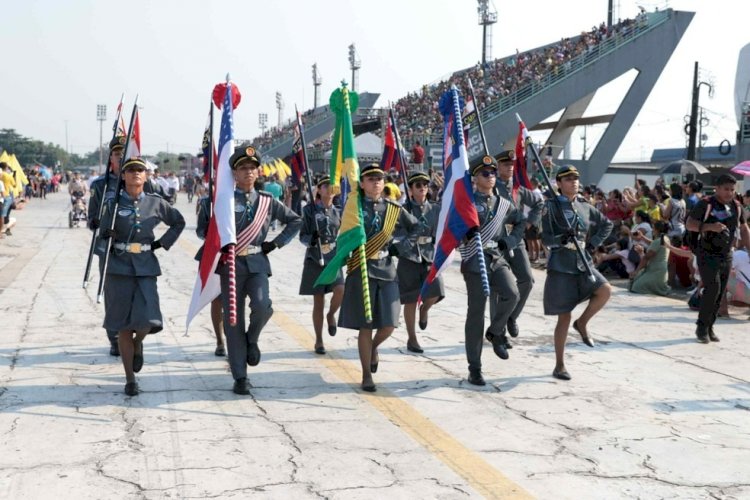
point(101, 115)
point(585, 149)
point(317, 81)
point(692, 127)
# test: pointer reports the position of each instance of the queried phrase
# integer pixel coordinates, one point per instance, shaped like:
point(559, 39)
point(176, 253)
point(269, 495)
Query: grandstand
point(562, 76)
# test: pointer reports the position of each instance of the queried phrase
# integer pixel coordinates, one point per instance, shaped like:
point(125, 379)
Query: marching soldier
point(131, 297)
point(381, 218)
point(320, 225)
point(204, 217)
point(568, 283)
point(254, 211)
point(98, 190)
point(495, 213)
point(517, 256)
point(416, 250)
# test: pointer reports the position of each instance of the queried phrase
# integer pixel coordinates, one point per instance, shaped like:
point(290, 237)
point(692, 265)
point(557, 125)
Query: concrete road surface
point(649, 413)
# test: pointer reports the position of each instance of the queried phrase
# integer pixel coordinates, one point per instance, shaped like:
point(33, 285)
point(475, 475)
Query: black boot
point(241, 386)
point(475, 377)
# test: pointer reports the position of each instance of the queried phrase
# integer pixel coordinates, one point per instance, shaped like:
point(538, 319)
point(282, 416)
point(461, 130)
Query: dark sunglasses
point(134, 170)
point(488, 173)
point(419, 184)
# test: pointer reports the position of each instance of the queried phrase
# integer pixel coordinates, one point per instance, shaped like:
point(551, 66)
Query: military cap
point(506, 155)
point(372, 168)
point(118, 143)
point(487, 162)
point(567, 171)
point(417, 176)
point(244, 153)
point(134, 163)
point(323, 180)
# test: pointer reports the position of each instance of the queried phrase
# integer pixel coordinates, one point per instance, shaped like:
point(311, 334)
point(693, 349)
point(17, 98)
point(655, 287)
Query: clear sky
point(62, 58)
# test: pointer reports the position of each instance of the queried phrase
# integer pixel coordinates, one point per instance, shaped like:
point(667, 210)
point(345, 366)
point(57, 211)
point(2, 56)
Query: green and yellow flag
point(351, 236)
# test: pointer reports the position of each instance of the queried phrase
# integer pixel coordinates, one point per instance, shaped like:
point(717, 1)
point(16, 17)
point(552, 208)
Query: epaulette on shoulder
point(264, 193)
point(392, 202)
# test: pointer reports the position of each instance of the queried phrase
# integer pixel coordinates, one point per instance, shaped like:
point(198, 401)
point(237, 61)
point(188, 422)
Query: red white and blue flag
point(221, 228)
point(520, 169)
point(457, 212)
point(391, 159)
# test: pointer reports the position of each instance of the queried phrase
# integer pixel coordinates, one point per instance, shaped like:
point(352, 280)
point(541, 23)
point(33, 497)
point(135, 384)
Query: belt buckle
point(242, 253)
point(133, 248)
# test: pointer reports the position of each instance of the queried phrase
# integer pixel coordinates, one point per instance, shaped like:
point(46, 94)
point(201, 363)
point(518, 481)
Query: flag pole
point(308, 180)
point(479, 118)
point(231, 256)
point(401, 158)
point(100, 209)
point(210, 159)
point(118, 192)
point(558, 204)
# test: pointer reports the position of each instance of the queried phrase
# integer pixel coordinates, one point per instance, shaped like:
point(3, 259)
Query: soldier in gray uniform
point(496, 214)
point(568, 283)
point(382, 218)
point(254, 211)
point(320, 226)
point(217, 320)
point(517, 257)
point(131, 296)
point(97, 192)
point(416, 250)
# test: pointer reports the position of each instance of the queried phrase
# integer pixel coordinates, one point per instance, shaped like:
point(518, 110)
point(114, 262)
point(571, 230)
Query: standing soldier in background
point(494, 213)
point(101, 192)
point(320, 226)
point(254, 211)
point(416, 250)
point(517, 256)
point(131, 297)
point(568, 282)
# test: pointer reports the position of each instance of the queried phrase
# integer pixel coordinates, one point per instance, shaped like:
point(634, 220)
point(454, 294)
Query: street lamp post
point(317, 81)
point(101, 115)
point(354, 64)
point(263, 123)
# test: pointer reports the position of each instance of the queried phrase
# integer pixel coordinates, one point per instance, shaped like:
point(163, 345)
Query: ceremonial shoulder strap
point(375, 244)
point(501, 211)
point(253, 229)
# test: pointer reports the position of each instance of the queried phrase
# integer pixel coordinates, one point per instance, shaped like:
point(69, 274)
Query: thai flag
point(457, 212)
point(391, 160)
point(520, 169)
point(221, 227)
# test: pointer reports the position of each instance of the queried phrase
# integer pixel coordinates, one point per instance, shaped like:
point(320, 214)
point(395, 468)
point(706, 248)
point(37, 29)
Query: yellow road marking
point(479, 474)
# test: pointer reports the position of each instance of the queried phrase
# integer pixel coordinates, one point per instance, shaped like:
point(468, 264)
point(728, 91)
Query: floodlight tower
point(317, 81)
point(487, 17)
point(263, 122)
point(279, 107)
point(355, 64)
point(101, 116)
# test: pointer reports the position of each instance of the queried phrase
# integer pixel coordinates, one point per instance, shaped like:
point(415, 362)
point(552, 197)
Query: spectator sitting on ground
point(650, 277)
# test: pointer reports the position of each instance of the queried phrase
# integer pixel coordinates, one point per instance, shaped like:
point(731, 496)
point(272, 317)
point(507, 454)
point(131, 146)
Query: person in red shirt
point(417, 154)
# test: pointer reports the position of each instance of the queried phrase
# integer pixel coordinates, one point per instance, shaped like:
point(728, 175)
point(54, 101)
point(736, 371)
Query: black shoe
point(414, 348)
point(131, 388)
point(702, 333)
point(498, 344)
point(331, 325)
point(253, 354)
point(422, 324)
point(138, 360)
point(114, 349)
point(475, 377)
point(220, 350)
point(374, 365)
point(241, 387)
point(320, 350)
point(561, 374)
point(584, 336)
point(369, 387)
point(513, 328)
point(712, 336)
point(508, 345)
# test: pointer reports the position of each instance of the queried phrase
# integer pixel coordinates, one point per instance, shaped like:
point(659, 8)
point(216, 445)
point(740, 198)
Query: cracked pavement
point(649, 413)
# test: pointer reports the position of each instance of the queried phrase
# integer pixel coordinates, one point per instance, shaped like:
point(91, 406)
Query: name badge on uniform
point(125, 212)
point(239, 208)
point(480, 209)
point(320, 216)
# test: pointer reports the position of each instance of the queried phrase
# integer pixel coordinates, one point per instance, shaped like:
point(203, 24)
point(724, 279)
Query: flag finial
point(228, 78)
point(343, 83)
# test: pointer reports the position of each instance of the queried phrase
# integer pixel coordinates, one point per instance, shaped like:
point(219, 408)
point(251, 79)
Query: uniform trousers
point(255, 287)
point(521, 268)
point(714, 271)
point(503, 300)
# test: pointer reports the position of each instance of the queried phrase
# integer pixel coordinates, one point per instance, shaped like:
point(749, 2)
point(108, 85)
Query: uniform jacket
point(135, 222)
point(418, 245)
point(327, 222)
point(373, 213)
